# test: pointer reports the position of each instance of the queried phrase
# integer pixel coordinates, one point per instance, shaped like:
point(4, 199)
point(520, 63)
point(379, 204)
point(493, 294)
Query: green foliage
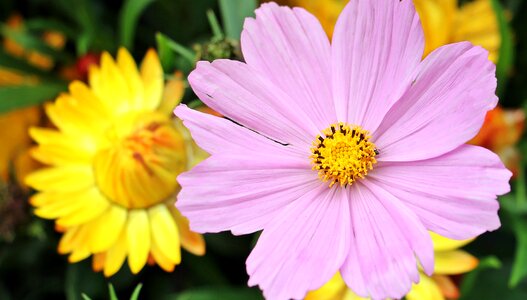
point(233, 14)
point(19, 96)
point(506, 57)
point(129, 16)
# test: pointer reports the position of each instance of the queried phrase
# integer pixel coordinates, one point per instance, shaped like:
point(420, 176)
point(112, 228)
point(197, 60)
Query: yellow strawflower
point(110, 185)
point(443, 22)
point(449, 260)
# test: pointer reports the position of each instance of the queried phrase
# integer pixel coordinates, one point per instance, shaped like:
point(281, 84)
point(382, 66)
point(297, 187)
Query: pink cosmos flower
point(344, 154)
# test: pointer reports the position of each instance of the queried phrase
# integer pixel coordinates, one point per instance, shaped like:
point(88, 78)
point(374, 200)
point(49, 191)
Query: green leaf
point(19, 96)
point(128, 18)
point(469, 280)
point(214, 24)
point(71, 284)
point(85, 297)
point(519, 267)
point(113, 295)
point(195, 103)
point(507, 52)
point(137, 290)
point(186, 53)
point(218, 293)
point(233, 13)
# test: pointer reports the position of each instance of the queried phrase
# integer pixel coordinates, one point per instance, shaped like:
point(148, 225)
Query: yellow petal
point(126, 63)
point(454, 262)
point(426, 289)
point(89, 102)
point(152, 76)
point(164, 232)
point(74, 117)
point(56, 148)
point(164, 262)
point(192, 242)
point(69, 240)
point(94, 205)
point(66, 178)
point(57, 204)
point(334, 289)
point(172, 94)
point(437, 18)
point(442, 243)
point(78, 255)
point(108, 83)
point(105, 229)
point(477, 22)
point(138, 238)
point(115, 256)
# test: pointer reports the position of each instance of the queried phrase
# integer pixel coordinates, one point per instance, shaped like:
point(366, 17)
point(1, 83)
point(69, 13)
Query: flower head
point(112, 161)
point(298, 105)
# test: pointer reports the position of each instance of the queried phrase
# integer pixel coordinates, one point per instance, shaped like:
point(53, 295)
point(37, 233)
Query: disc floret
point(343, 154)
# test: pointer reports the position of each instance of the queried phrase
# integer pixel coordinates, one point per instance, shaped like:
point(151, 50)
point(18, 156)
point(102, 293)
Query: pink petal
point(454, 195)
point(290, 48)
point(303, 247)
point(241, 194)
point(244, 95)
point(220, 136)
point(377, 47)
point(245, 182)
point(443, 109)
point(386, 239)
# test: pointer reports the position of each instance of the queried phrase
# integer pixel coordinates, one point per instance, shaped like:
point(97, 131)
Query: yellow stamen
point(343, 155)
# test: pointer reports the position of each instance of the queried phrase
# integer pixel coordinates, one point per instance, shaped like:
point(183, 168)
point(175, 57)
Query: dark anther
point(376, 151)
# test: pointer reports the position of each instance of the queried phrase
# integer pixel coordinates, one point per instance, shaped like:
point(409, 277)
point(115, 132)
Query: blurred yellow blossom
point(110, 184)
point(443, 22)
point(449, 260)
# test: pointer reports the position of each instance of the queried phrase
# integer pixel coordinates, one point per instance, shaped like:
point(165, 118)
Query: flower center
point(343, 155)
point(140, 167)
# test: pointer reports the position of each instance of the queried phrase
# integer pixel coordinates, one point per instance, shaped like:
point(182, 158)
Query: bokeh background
point(45, 45)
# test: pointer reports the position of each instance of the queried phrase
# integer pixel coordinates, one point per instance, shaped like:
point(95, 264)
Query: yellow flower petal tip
point(112, 160)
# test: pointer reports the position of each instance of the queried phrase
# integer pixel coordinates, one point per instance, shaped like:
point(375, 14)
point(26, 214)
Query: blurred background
point(45, 45)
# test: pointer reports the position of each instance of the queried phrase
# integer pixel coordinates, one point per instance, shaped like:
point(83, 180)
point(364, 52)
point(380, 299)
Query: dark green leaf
point(233, 13)
point(184, 52)
point(506, 57)
point(47, 24)
point(19, 96)
point(469, 280)
point(519, 267)
point(130, 13)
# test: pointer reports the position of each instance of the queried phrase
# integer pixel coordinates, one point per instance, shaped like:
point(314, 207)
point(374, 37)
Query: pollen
point(343, 154)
